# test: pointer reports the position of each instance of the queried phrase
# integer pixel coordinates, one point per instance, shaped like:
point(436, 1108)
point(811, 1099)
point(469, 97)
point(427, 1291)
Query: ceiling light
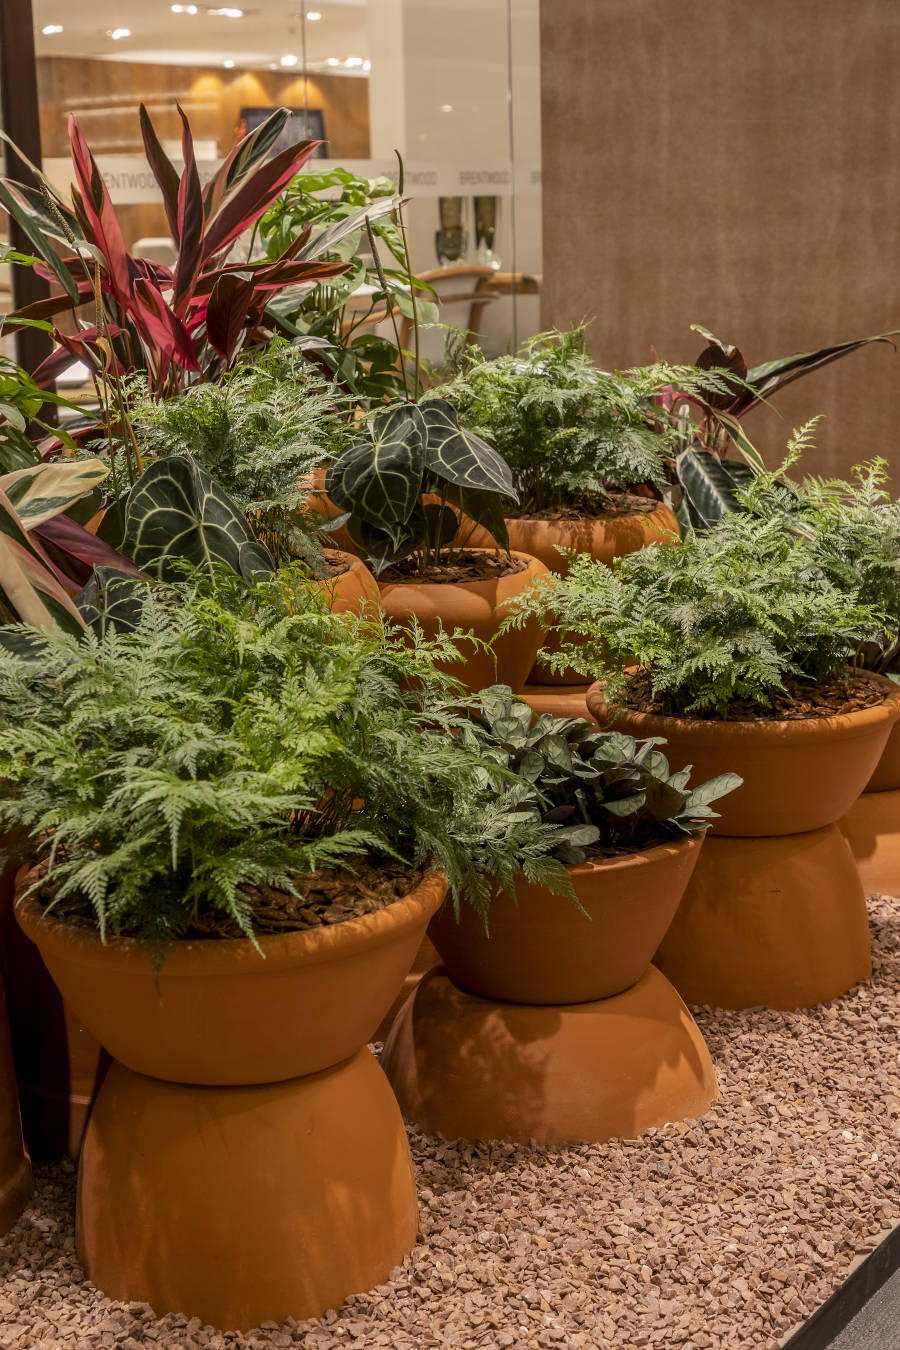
point(229, 65)
point(446, 107)
point(52, 28)
point(367, 65)
point(313, 15)
point(353, 61)
point(332, 61)
point(116, 33)
point(289, 60)
point(227, 13)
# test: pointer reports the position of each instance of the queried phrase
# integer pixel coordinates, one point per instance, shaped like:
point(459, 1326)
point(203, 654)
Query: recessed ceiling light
point(183, 9)
point(116, 33)
point(289, 60)
point(367, 65)
point(332, 61)
point(313, 15)
point(52, 28)
point(353, 61)
point(229, 65)
point(227, 13)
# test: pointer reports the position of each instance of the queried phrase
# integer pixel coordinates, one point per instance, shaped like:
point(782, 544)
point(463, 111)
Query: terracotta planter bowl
point(886, 777)
point(473, 1068)
point(558, 700)
point(603, 537)
point(353, 590)
point(779, 922)
point(543, 950)
point(475, 605)
point(797, 775)
point(872, 825)
point(222, 1013)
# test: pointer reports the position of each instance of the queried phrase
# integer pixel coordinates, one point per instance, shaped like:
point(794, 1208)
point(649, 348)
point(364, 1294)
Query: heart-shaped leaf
point(459, 456)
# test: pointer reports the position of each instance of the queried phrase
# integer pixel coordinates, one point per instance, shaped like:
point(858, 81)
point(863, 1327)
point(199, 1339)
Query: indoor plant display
point(629, 833)
point(399, 486)
point(254, 792)
point(735, 647)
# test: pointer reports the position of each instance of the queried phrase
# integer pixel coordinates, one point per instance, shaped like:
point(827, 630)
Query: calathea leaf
point(662, 800)
point(111, 600)
point(178, 513)
point(379, 479)
point(716, 787)
point(710, 485)
point(459, 456)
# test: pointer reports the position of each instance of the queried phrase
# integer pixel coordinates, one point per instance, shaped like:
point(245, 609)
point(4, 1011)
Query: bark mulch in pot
point(471, 565)
point(801, 700)
point(724, 1232)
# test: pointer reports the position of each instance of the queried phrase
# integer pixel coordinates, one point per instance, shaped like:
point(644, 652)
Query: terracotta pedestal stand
point(555, 1028)
point(775, 912)
point(245, 1160)
point(872, 825)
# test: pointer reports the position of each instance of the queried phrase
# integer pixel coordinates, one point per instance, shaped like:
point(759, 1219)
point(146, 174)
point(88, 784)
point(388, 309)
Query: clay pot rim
point(602, 517)
point(622, 861)
point(762, 731)
point(195, 957)
point(535, 566)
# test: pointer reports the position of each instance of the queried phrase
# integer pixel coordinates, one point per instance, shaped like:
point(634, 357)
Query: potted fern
point(243, 809)
point(618, 1050)
point(739, 649)
point(402, 487)
point(586, 450)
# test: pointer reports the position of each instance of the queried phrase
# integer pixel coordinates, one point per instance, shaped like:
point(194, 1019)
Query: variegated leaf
point(28, 588)
point(177, 513)
point(459, 456)
point(45, 490)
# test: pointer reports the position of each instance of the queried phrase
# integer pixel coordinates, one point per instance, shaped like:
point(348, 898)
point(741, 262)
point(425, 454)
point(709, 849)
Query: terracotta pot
point(797, 775)
point(475, 605)
point(227, 1013)
point(558, 700)
point(779, 922)
point(473, 1068)
point(321, 504)
point(59, 1064)
point(15, 1167)
point(886, 777)
point(603, 537)
point(274, 1124)
point(872, 825)
point(542, 949)
point(352, 590)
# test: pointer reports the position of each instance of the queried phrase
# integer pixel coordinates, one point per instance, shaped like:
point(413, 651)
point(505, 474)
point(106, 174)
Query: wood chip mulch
point(713, 1234)
point(466, 565)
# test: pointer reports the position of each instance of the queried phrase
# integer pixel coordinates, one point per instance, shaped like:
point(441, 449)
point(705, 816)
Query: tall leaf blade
point(769, 378)
point(254, 196)
point(243, 158)
point(27, 584)
point(46, 490)
point(22, 214)
point(226, 313)
point(163, 171)
point(191, 221)
point(100, 213)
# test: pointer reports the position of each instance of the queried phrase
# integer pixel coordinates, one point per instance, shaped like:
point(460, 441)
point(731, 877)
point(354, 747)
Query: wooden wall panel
point(736, 166)
point(105, 95)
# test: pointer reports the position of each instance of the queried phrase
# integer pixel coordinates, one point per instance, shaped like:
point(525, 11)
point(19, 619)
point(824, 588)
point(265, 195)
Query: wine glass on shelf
point(452, 239)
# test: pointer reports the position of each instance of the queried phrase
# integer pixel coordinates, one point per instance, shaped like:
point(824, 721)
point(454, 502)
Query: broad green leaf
point(45, 490)
point(459, 456)
point(111, 600)
point(715, 788)
point(710, 485)
point(178, 513)
point(379, 479)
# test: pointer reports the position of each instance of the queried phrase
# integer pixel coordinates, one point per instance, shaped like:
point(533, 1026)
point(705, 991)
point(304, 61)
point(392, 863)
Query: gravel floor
point(723, 1232)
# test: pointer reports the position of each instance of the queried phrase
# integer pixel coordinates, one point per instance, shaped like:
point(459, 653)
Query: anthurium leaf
point(28, 588)
point(710, 485)
point(45, 490)
point(485, 508)
point(459, 456)
point(111, 600)
point(384, 548)
point(178, 513)
point(379, 479)
point(441, 524)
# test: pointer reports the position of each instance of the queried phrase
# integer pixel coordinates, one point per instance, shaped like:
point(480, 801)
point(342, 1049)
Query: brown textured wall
point(736, 166)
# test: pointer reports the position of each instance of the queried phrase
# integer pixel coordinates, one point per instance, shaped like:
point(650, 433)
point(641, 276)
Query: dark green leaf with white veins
point(459, 456)
point(380, 479)
point(178, 513)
